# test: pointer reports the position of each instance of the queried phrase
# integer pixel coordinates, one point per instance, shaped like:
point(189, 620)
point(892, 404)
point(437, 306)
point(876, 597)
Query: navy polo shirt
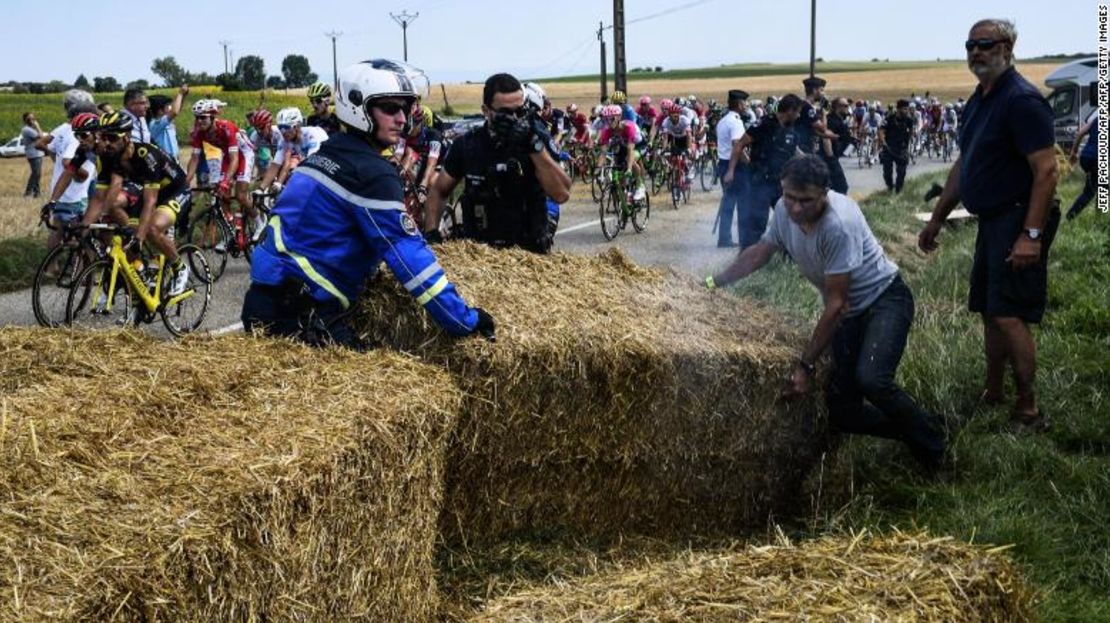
point(803, 128)
point(998, 131)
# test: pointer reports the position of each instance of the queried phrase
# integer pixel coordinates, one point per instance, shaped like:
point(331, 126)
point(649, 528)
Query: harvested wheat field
point(616, 398)
point(857, 578)
point(216, 480)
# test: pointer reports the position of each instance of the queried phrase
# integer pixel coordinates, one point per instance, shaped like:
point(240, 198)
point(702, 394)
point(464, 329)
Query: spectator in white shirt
point(735, 178)
point(135, 105)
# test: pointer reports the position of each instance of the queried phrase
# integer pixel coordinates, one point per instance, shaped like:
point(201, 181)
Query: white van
point(1074, 96)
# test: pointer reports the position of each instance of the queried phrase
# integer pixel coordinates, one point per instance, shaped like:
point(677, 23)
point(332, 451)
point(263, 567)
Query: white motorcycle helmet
point(290, 116)
point(362, 83)
point(534, 96)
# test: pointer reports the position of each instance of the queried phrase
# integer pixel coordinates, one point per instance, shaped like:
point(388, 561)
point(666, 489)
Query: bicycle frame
point(152, 301)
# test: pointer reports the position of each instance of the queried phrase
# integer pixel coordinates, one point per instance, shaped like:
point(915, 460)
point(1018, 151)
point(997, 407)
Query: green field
point(752, 70)
point(48, 107)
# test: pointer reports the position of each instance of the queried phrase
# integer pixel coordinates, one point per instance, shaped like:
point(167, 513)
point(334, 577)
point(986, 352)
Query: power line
point(674, 9)
point(404, 19)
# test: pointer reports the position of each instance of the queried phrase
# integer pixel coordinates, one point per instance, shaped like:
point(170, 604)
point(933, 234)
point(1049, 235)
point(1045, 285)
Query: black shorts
point(996, 288)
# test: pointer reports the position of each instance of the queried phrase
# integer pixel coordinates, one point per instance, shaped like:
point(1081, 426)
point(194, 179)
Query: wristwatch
point(1033, 233)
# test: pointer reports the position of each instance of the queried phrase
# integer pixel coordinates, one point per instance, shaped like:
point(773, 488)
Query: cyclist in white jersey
point(298, 142)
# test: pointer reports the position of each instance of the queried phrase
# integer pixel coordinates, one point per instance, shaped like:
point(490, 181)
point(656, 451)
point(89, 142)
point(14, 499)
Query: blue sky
point(454, 40)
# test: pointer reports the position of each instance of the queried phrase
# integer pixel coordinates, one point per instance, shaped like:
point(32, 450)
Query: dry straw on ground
point(862, 578)
point(616, 398)
point(225, 479)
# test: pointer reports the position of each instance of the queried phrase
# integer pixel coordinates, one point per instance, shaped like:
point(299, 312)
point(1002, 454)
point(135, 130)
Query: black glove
point(485, 325)
point(44, 213)
point(514, 134)
point(432, 236)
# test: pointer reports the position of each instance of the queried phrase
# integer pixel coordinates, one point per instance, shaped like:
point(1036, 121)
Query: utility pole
point(620, 68)
point(225, 44)
point(335, 34)
point(604, 78)
point(812, 37)
point(404, 19)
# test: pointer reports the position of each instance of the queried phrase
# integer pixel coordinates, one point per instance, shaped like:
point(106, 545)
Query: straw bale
point(616, 398)
point(229, 479)
point(863, 577)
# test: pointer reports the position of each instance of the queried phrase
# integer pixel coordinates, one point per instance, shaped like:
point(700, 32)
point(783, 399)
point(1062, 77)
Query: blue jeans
point(732, 196)
point(762, 197)
point(862, 396)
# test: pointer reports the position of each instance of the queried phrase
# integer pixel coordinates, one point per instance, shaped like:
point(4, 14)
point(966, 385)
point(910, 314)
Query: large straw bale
point(615, 399)
point(228, 479)
point(862, 578)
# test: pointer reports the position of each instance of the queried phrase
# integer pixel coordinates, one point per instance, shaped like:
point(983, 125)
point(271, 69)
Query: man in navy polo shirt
point(1006, 175)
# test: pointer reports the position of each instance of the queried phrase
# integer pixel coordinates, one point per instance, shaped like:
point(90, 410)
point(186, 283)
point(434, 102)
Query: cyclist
point(297, 143)
point(341, 215)
point(580, 127)
point(78, 170)
point(620, 99)
point(236, 151)
point(164, 188)
point(265, 137)
point(319, 97)
point(620, 137)
point(949, 123)
point(555, 120)
point(421, 155)
point(678, 137)
point(647, 113)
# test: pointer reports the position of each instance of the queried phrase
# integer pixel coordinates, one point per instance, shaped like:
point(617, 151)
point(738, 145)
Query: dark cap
point(902, 103)
point(813, 82)
point(737, 95)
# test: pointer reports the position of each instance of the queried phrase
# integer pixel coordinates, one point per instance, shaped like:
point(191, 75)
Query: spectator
point(1006, 175)
point(135, 105)
point(510, 171)
point(735, 176)
point(895, 135)
point(868, 309)
point(72, 198)
point(105, 108)
point(162, 113)
point(31, 133)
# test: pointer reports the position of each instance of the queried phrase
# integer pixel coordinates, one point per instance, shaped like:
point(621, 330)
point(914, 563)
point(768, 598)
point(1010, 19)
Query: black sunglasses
point(109, 138)
point(319, 100)
point(391, 108)
point(982, 44)
point(81, 135)
point(519, 112)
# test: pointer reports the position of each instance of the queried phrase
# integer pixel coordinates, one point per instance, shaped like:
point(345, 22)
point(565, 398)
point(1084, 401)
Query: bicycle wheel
point(597, 185)
point(674, 185)
point(610, 212)
point(93, 304)
point(641, 212)
point(55, 276)
point(184, 313)
point(213, 237)
point(704, 176)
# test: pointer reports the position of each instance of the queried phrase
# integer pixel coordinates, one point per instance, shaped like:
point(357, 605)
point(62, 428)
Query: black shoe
point(1071, 214)
point(935, 191)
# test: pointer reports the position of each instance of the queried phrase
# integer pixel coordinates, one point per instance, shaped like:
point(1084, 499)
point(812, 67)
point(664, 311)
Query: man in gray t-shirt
point(31, 133)
point(868, 309)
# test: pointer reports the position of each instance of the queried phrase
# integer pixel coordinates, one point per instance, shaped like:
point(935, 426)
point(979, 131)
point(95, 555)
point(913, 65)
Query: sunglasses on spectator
point(519, 112)
point(982, 44)
point(391, 108)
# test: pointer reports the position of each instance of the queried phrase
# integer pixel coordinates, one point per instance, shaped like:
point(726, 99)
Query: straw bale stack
point(615, 399)
point(862, 578)
point(227, 479)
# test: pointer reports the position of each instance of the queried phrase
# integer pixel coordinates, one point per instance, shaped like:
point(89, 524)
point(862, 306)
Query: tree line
point(249, 75)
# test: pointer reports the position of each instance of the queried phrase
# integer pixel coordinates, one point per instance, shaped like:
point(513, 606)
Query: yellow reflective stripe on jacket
point(431, 292)
point(306, 266)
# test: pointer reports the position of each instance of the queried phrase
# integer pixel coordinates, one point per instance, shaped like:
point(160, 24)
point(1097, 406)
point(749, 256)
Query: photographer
point(509, 174)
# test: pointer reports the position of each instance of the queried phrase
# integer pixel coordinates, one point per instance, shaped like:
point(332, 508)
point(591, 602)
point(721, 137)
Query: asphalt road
point(681, 239)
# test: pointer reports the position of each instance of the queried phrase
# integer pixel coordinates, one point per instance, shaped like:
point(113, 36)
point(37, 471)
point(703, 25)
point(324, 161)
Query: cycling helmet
point(533, 95)
point(645, 100)
point(115, 123)
point(290, 117)
point(205, 107)
point(949, 107)
point(878, 104)
point(362, 83)
point(319, 89)
point(572, 108)
point(611, 111)
point(598, 110)
point(262, 118)
point(693, 98)
point(681, 102)
point(618, 97)
point(85, 122)
point(666, 105)
point(77, 101)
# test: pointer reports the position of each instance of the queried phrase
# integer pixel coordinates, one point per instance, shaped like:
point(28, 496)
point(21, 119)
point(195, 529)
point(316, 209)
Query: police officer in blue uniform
point(341, 214)
point(509, 173)
point(773, 143)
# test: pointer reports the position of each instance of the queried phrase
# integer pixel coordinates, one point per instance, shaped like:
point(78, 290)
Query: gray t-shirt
point(30, 135)
point(840, 243)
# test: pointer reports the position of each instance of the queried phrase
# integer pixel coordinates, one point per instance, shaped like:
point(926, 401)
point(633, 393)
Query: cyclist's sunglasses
point(519, 112)
point(318, 100)
point(82, 135)
point(286, 128)
point(204, 117)
point(108, 137)
point(391, 108)
point(983, 44)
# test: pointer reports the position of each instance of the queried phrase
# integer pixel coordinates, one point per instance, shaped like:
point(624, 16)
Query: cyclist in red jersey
point(224, 135)
point(647, 113)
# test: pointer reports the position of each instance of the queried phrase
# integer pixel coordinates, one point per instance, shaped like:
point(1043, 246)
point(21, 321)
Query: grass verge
point(19, 257)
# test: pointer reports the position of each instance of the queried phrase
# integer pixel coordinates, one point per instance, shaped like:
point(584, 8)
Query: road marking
point(578, 226)
point(231, 328)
